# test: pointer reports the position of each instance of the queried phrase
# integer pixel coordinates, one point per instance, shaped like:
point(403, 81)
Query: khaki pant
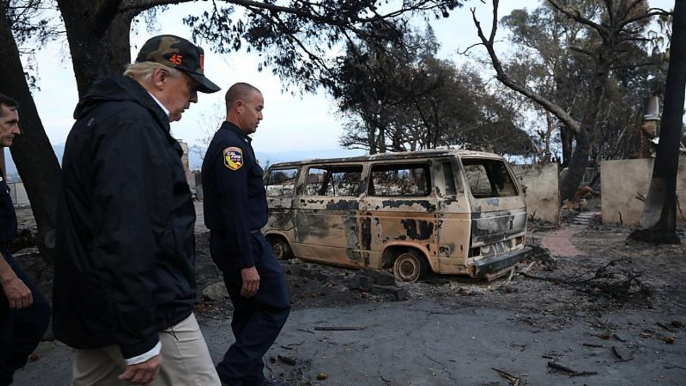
point(185, 361)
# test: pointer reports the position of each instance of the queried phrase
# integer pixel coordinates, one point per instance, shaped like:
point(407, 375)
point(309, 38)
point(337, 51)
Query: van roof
point(397, 156)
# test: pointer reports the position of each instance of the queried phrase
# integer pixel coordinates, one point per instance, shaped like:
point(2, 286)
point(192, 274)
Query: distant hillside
point(12, 168)
point(268, 158)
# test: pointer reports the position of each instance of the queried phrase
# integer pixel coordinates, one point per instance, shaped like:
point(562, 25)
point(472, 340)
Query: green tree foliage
point(295, 40)
point(399, 98)
point(608, 38)
point(552, 58)
point(32, 27)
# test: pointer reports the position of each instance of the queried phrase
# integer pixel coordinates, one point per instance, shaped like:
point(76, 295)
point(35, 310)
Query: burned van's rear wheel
point(410, 266)
point(281, 248)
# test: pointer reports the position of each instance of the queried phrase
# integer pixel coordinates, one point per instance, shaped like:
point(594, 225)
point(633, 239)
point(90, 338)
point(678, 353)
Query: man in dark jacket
point(124, 286)
point(235, 207)
point(24, 312)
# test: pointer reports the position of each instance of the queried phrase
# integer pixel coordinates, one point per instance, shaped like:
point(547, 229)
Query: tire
point(410, 267)
point(281, 249)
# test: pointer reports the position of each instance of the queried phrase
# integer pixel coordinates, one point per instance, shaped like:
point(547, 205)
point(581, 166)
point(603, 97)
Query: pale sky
point(291, 123)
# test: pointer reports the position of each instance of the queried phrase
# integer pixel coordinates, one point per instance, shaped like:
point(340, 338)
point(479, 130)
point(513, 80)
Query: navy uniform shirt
point(235, 202)
point(8, 218)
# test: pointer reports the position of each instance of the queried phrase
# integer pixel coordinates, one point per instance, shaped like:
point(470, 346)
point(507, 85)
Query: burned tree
point(658, 221)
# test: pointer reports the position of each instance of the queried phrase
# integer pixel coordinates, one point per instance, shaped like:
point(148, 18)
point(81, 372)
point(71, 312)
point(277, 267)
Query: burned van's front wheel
point(280, 247)
point(410, 266)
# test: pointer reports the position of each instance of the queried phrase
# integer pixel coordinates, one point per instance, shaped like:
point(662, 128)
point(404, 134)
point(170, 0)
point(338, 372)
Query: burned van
point(440, 211)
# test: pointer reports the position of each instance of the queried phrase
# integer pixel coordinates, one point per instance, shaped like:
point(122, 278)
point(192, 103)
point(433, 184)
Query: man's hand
point(142, 373)
point(251, 281)
point(18, 294)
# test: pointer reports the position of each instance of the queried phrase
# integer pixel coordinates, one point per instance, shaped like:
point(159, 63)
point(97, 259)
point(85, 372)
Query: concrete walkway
point(559, 242)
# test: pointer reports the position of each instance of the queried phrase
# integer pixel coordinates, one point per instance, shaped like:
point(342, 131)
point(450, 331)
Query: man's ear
point(239, 106)
point(159, 77)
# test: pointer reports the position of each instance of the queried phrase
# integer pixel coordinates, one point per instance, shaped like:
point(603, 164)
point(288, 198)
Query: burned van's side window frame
point(488, 178)
point(449, 178)
point(281, 182)
point(333, 180)
point(400, 180)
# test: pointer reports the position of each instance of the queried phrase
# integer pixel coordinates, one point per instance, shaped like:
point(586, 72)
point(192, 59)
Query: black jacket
point(125, 260)
point(234, 198)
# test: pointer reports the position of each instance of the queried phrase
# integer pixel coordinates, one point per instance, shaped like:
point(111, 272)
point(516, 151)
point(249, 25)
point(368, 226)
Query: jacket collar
point(119, 88)
point(234, 128)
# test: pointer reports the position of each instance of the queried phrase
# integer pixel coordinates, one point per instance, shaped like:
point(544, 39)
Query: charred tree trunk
point(567, 138)
point(584, 137)
point(577, 166)
point(98, 38)
point(658, 221)
point(31, 151)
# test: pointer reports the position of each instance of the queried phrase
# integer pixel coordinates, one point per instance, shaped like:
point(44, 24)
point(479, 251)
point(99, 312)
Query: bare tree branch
point(143, 5)
point(581, 51)
point(577, 16)
point(555, 109)
point(647, 15)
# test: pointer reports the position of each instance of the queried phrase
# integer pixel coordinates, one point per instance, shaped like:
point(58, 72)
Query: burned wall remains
point(624, 182)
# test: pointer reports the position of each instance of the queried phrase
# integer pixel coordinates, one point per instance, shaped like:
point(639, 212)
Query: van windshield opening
point(488, 178)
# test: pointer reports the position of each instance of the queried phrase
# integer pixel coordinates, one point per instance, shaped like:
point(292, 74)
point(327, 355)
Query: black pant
point(20, 330)
point(257, 320)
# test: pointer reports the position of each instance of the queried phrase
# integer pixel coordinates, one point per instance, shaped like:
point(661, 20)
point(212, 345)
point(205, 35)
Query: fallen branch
point(557, 366)
point(544, 278)
point(666, 327)
point(583, 373)
point(334, 328)
point(612, 280)
point(514, 381)
point(509, 279)
point(572, 373)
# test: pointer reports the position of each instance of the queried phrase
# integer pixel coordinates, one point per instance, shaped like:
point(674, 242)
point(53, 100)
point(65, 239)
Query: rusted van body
point(444, 211)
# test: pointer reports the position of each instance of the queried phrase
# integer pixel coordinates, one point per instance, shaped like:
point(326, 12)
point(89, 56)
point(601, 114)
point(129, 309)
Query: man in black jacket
point(235, 207)
point(124, 286)
point(24, 312)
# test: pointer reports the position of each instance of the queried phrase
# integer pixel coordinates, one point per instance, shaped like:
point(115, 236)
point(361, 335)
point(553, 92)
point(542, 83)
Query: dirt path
point(600, 304)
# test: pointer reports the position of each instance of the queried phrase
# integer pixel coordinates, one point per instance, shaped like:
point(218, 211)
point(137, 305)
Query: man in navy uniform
point(24, 312)
point(235, 207)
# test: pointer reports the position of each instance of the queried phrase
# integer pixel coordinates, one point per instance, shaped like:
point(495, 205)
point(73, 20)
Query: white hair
point(143, 71)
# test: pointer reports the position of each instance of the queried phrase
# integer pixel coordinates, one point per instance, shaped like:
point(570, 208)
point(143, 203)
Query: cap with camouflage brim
point(178, 53)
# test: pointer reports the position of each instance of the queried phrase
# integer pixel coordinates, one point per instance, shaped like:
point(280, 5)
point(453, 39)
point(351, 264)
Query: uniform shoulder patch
point(233, 158)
